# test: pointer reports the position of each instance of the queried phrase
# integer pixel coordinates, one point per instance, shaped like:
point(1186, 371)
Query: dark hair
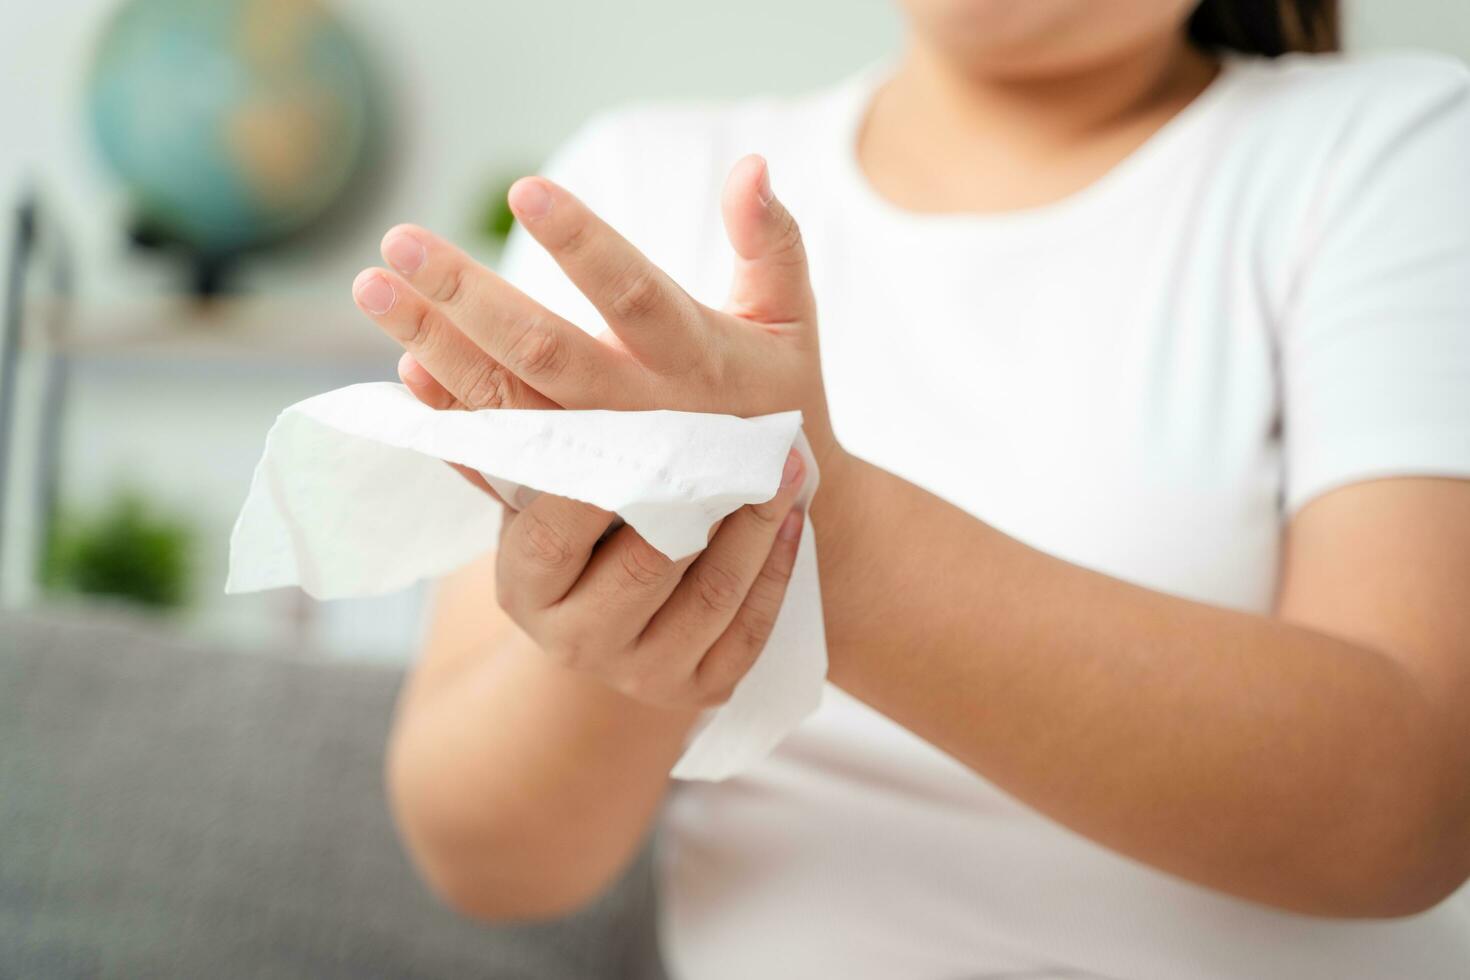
point(1266, 27)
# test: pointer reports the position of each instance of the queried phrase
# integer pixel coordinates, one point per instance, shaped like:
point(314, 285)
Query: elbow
point(499, 899)
point(493, 871)
point(1401, 861)
point(1407, 884)
point(1393, 892)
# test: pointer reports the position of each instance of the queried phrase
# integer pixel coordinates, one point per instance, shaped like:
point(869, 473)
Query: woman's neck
point(939, 139)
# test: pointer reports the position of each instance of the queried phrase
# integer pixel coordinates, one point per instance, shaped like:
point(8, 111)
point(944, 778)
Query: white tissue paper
point(352, 498)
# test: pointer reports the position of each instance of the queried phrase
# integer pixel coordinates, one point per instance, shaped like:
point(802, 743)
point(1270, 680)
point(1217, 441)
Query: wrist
point(838, 500)
point(597, 693)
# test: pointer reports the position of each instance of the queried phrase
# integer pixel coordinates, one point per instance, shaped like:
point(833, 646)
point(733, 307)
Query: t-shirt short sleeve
point(1375, 346)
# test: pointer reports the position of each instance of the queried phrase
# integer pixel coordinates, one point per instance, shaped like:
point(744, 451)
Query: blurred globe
point(233, 123)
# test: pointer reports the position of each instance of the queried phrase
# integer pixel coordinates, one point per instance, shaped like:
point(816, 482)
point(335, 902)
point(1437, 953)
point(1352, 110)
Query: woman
point(1143, 423)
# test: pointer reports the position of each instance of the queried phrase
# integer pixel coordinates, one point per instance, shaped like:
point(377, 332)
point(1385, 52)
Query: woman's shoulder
point(1333, 92)
point(1344, 74)
point(1313, 132)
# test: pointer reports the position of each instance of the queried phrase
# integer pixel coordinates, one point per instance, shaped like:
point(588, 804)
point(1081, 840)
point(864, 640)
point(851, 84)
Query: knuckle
point(754, 627)
point(487, 386)
point(538, 352)
point(572, 651)
point(574, 239)
point(637, 296)
point(452, 286)
point(712, 374)
point(634, 688)
point(715, 693)
point(771, 581)
point(544, 544)
point(644, 684)
point(642, 564)
point(717, 589)
point(423, 327)
point(768, 514)
point(788, 237)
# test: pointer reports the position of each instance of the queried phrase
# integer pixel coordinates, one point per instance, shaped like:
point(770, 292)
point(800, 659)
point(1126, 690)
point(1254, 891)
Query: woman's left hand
point(484, 344)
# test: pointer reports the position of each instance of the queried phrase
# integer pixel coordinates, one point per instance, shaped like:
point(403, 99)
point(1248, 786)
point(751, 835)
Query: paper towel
point(352, 498)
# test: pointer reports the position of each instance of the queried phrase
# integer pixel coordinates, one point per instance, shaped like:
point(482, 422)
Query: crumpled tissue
point(352, 498)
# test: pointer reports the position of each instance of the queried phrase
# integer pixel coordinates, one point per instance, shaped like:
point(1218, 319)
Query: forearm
point(1239, 751)
point(522, 788)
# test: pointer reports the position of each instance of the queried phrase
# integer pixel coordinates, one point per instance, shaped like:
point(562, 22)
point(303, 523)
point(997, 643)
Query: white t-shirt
point(1269, 299)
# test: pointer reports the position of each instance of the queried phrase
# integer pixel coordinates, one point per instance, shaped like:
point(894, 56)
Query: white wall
point(476, 87)
point(482, 86)
point(1440, 24)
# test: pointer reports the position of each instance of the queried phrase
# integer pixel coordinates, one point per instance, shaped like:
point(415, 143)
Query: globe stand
point(208, 270)
point(209, 274)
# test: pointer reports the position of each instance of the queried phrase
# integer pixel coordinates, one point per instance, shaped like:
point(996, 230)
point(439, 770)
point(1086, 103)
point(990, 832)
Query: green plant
point(496, 219)
point(125, 550)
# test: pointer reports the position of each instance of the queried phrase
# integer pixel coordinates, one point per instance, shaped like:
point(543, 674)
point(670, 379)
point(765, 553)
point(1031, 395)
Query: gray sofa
point(167, 811)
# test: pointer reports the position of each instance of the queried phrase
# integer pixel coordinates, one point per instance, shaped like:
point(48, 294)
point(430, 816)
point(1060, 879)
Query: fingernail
point(529, 200)
point(374, 293)
point(792, 472)
point(763, 188)
point(791, 527)
point(405, 253)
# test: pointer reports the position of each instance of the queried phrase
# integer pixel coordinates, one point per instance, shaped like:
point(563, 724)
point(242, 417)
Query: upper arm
point(1375, 374)
point(1386, 564)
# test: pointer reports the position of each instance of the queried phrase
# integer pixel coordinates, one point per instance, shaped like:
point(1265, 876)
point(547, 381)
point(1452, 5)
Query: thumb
point(772, 284)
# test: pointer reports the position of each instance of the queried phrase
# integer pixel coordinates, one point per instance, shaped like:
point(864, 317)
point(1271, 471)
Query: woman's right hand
point(671, 634)
point(674, 634)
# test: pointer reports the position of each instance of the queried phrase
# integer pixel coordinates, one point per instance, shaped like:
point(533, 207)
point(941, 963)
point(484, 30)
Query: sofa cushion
point(168, 810)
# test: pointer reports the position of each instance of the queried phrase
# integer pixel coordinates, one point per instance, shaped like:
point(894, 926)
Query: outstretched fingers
point(647, 310)
point(463, 368)
point(445, 308)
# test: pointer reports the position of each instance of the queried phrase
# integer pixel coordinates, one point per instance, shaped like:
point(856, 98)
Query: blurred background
point(190, 785)
point(207, 176)
point(212, 174)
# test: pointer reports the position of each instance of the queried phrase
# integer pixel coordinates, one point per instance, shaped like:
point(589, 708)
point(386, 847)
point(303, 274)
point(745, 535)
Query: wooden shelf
point(306, 331)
